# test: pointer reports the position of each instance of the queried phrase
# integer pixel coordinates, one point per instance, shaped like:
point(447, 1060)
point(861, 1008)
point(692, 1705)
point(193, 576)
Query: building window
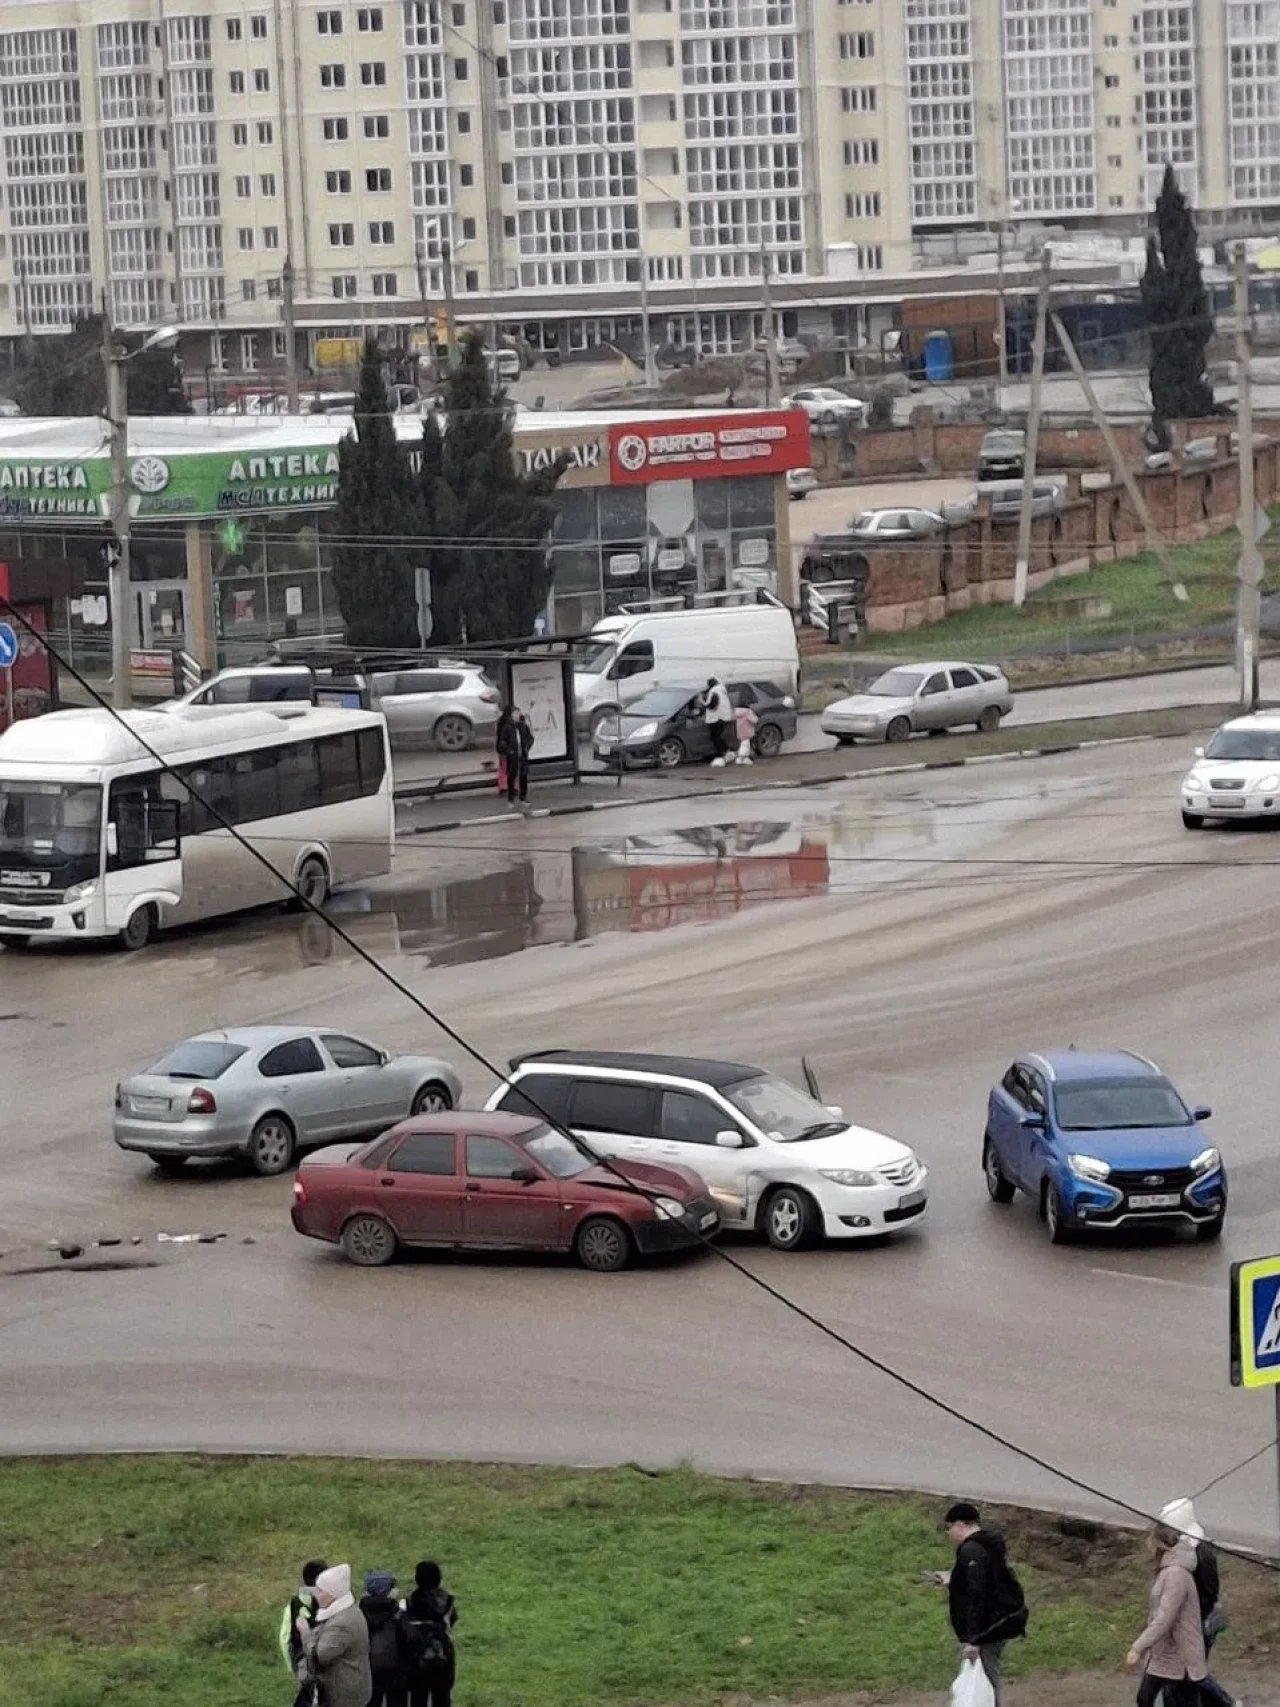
point(384, 284)
point(258, 26)
point(460, 72)
point(342, 236)
point(862, 151)
point(861, 44)
point(865, 204)
point(373, 74)
point(240, 135)
point(335, 130)
point(248, 290)
point(471, 279)
point(468, 229)
point(377, 126)
point(233, 29)
point(262, 80)
point(466, 176)
point(248, 352)
point(377, 179)
point(344, 284)
point(509, 225)
point(381, 231)
point(266, 132)
point(218, 352)
point(1115, 201)
point(861, 98)
point(464, 124)
point(236, 81)
point(333, 76)
point(267, 184)
point(458, 14)
point(507, 172)
point(1113, 121)
point(244, 237)
point(279, 345)
point(270, 238)
point(329, 23)
point(1115, 160)
point(338, 183)
point(1111, 82)
point(244, 187)
point(369, 18)
point(499, 11)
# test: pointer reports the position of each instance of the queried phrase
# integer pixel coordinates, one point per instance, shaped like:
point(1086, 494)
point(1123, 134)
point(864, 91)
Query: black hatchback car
point(665, 726)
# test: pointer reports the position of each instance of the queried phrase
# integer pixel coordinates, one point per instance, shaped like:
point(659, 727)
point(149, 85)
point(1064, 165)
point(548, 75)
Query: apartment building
point(562, 157)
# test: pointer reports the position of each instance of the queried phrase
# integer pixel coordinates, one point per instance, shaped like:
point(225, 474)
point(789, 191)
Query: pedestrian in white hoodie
point(1180, 1514)
point(718, 715)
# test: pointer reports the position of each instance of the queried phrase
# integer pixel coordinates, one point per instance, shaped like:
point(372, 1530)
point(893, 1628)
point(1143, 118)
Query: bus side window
point(141, 827)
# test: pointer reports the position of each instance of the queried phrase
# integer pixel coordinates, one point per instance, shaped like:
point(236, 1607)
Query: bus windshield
point(47, 824)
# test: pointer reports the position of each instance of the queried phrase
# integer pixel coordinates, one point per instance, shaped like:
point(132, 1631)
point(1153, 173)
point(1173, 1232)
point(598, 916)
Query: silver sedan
point(921, 696)
point(265, 1092)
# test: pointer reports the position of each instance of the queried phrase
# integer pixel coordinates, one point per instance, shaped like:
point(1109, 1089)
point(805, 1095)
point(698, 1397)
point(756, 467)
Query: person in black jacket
point(388, 1641)
point(1180, 1515)
point(986, 1600)
point(513, 739)
point(430, 1615)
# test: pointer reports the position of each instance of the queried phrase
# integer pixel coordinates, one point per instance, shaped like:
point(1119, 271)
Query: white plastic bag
point(972, 1686)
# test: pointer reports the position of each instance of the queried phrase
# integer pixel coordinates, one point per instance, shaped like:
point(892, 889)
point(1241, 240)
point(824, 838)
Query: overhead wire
point(871, 1359)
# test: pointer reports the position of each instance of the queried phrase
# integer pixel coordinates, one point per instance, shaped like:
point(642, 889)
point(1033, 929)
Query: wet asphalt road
point(908, 935)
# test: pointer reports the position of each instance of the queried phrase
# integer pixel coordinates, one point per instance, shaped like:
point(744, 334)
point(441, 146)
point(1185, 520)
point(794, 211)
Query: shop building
point(231, 538)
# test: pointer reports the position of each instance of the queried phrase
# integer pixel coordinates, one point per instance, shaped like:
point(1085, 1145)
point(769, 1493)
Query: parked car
point(1101, 1140)
point(1005, 497)
point(447, 706)
point(1237, 775)
point(1002, 455)
point(265, 1092)
point(503, 364)
point(252, 684)
point(774, 1158)
point(665, 727)
point(825, 405)
point(499, 1182)
point(912, 697)
point(800, 482)
point(896, 524)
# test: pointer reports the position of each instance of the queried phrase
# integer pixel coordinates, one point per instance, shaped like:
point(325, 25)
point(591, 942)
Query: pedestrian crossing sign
point(1255, 1322)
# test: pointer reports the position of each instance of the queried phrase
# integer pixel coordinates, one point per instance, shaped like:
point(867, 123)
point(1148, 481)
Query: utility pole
point(1022, 562)
point(450, 322)
point(1249, 567)
point(290, 335)
point(114, 359)
point(28, 340)
point(770, 339)
point(646, 332)
point(1002, 328)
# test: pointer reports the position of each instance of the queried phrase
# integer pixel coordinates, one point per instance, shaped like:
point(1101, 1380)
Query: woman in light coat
point(1171, 1647)
point(337, 1644)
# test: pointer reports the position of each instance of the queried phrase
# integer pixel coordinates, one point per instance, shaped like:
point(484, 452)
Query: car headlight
point(1206, 1161)
point(1266, 784)
point(645, 732)
point(668, 1209)
point(81, 891)
point(1089, 1167)
point(848, 1176)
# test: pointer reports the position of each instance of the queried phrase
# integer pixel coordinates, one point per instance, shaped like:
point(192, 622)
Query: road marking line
point(1153, 1279)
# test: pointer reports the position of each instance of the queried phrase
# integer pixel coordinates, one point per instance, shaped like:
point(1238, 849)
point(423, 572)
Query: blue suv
point(1101, 1139)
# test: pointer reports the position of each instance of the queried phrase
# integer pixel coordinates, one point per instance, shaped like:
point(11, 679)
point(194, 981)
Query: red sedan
point(494, 1182)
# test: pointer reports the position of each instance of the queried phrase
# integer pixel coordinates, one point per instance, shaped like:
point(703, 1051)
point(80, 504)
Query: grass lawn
point(142, 1582)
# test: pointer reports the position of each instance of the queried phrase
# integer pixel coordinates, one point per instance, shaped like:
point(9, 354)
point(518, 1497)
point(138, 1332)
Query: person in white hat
point(1180, 1514)
point(337, 1645)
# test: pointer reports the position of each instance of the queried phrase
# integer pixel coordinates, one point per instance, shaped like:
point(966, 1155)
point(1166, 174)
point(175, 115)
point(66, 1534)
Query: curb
point(1050, 750)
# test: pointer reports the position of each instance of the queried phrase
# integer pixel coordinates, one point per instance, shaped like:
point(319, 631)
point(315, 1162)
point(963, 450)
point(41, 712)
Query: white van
point(625, 656)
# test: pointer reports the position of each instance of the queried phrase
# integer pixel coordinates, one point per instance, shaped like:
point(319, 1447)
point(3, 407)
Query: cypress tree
point(378, 506)
point(1176, 308)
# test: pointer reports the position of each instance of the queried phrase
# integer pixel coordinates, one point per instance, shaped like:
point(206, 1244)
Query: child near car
point(744, 727)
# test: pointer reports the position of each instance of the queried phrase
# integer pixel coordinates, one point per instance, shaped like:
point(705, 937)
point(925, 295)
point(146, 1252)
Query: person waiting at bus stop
point(514, 739)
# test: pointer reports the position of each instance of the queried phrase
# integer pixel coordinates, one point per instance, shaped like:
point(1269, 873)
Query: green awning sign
point(177, 488)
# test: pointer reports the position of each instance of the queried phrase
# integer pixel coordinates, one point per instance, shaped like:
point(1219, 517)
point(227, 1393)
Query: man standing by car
point(718, 715)
point(986, 1600)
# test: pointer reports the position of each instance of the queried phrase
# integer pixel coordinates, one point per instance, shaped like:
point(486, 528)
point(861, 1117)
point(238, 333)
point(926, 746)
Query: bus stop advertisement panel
point(541, 685)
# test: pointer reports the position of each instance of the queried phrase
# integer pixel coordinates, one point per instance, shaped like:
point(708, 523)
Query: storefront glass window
point(752, 501)
point(712, 500)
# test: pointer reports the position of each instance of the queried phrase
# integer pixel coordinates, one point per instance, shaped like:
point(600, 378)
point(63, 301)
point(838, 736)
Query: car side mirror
point(1199, 752)
point(526, 1176)
point(113, 841)
point(1201, 1112)
point(834, 1108)
point(1033, 1118)
point(384, 1057)
point(728, 1140)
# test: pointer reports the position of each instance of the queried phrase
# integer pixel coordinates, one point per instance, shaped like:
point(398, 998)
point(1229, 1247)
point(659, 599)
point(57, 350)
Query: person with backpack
point(430, 1615)
point(302, 1605)
point(1180, 1515)
point(987, 1605)
point(388, 1644)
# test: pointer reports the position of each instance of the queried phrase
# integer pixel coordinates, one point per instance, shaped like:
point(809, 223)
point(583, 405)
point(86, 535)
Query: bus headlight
point(81, 891)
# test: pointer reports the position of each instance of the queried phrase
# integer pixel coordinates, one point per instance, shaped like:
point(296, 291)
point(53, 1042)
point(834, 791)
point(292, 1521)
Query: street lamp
point(116, 356)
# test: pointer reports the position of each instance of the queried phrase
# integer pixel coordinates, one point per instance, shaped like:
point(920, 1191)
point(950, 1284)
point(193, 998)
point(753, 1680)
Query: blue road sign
point(1256, 1320)
point(8, 646)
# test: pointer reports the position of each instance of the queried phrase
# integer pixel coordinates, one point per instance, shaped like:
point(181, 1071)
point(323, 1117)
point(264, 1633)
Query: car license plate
point(912, 1200)
point(708, 1220)
point(149, 1105)
point(1155, 1200)
point(1226, 802)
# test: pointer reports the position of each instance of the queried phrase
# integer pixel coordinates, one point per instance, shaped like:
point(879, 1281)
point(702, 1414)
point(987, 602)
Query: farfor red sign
point(704, 447)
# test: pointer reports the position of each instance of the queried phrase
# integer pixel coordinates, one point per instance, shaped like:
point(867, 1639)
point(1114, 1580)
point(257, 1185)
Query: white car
point(825, 405)
point(800, 482)
point(774, 1158)
point(1237, 775)
point(912, 697)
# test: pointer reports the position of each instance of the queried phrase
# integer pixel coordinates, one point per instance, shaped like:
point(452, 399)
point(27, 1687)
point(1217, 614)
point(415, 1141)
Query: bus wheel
point(313, 882)
point(139, 930)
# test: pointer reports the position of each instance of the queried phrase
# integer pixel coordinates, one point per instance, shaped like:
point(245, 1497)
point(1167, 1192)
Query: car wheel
point(671, 754)
point(167, 1164)
point(1000, 1188)
point(452, 734)
point(312, 884)
point(271, 1144)
point(790, 1219)
point(13, 939)
point(431, 1099)
point(899, 729)
point(827, 417)
point(602, 1245)
point(768, 741)
point(368, 1241)
point(1056, 1224)
point(139, 930)
point(1208, 1231)
point(1190, 821)
point(989, 722)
